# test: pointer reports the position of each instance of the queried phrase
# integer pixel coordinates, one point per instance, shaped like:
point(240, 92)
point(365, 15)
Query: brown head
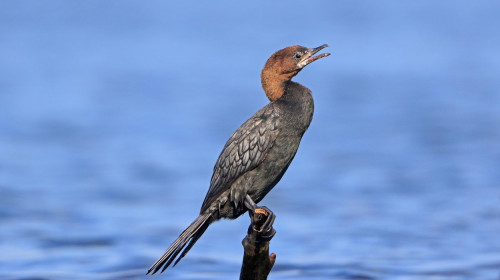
point(283, 65)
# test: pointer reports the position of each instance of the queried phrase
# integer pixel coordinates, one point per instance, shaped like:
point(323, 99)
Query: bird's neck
point(274, 83)
point(273, 89)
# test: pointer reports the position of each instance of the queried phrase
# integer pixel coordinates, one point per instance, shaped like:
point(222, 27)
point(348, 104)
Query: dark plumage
point(257, 155)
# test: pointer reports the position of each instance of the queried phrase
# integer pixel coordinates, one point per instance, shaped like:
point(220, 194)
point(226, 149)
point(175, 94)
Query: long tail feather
point(191, 234)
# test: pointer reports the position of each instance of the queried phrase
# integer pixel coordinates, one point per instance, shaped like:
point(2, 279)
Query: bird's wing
point(244, 151)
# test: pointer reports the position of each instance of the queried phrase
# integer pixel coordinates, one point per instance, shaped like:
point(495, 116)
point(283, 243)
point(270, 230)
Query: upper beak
point(308, 57)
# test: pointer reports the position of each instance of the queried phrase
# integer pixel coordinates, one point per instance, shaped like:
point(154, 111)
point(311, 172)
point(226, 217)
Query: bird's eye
point(298, 55)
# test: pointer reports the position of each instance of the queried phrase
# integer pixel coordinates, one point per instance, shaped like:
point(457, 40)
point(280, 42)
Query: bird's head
point(283, 65)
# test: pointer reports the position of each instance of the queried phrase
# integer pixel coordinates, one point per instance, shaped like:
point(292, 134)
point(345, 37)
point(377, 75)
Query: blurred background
point(112, 114)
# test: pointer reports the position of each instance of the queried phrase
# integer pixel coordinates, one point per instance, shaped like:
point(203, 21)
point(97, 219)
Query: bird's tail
point(189, 235)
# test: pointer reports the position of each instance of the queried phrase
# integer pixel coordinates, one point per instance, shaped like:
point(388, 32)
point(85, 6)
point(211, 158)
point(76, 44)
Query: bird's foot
point(262, 221)
point(262, 224)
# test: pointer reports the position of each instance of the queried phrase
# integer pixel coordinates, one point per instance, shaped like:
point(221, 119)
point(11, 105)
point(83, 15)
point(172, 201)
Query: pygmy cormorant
point(257, 155)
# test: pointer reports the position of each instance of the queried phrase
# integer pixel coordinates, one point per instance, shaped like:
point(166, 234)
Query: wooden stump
point(257, 263)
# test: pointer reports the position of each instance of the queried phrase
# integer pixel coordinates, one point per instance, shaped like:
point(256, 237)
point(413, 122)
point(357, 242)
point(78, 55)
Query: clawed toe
point(262, 223)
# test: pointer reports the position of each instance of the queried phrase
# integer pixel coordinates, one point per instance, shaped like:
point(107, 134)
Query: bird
point(259, 152)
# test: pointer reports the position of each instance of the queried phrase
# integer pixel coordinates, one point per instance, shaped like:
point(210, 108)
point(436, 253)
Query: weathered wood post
point(257, 263)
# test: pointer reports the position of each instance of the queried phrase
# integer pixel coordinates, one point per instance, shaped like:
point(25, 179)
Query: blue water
point(112, 114)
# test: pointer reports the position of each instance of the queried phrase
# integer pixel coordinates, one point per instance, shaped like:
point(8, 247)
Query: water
point(113, 114)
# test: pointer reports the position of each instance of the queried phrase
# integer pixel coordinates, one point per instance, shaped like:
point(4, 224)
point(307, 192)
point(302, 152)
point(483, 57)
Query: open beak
point(308, 57)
